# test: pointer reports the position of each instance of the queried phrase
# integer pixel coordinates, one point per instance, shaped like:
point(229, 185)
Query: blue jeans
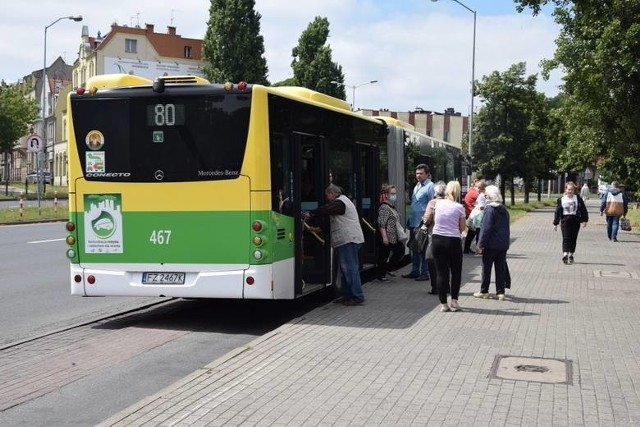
point(350, 271)
point(613, 222)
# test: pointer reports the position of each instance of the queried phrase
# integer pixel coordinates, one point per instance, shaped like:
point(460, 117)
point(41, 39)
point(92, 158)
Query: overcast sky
point(419, 50)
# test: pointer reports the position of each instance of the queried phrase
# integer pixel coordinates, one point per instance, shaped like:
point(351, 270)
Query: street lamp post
point(473, 70)
point(353, 90)
point(76, 18)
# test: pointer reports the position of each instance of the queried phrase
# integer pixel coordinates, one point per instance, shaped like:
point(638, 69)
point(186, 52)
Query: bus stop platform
point(563, 350)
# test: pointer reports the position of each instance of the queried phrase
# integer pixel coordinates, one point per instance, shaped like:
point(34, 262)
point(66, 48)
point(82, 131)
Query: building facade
point(449, 126)
point(132, 50)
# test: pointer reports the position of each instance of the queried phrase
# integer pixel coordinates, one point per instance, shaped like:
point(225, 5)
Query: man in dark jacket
point(614, 204)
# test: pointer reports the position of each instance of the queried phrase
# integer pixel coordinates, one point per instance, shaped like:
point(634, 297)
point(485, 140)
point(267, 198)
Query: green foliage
point(599, 51)
point(512, 126)
point(233, 49)
point(312, 64)
point(17, 114)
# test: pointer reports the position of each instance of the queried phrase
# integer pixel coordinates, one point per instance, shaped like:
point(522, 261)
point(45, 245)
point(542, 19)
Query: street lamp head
point(373, 81)
point(76, 18)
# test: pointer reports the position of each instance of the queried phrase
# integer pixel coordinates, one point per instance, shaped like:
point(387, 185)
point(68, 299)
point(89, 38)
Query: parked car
point(32, 177)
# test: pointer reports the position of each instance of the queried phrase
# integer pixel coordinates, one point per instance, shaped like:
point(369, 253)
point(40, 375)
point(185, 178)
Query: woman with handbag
point(428, 219)
point(391, 235)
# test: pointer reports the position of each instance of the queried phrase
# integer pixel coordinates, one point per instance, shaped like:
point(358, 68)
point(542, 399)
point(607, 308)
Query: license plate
point(162, 278)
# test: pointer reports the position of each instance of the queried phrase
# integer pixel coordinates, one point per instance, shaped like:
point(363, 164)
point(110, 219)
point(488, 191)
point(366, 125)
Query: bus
point(183, 188)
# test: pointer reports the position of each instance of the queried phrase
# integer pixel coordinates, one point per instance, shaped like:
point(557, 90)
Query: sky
point(419, 51)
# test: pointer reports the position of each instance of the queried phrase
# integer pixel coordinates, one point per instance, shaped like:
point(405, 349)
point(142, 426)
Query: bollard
point(21, 205)
point(55, 201)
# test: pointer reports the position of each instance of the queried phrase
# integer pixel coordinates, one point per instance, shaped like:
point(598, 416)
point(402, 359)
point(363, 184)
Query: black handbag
point(419, 239)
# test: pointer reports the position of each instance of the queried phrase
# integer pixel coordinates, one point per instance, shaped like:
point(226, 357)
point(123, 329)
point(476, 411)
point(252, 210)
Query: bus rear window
point(152, 138)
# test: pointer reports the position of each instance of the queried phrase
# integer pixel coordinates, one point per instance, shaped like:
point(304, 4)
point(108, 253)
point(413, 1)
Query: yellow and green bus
point(182, 188)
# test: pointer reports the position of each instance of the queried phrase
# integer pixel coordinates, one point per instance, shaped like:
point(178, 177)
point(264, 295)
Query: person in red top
point(469, 203)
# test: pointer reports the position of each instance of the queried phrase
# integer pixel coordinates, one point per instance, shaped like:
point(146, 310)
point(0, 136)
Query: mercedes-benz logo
point(159, 175)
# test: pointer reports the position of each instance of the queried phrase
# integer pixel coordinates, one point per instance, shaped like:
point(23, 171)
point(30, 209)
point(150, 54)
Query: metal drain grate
point(552, 371)
point(616, 274)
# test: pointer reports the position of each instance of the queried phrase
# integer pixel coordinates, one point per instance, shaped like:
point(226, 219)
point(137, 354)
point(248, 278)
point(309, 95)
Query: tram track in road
point(36, 367)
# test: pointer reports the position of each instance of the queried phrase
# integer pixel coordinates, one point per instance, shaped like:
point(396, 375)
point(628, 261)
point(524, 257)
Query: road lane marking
point(47, 241)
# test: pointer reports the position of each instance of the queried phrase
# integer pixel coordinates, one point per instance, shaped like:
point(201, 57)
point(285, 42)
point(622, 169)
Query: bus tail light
point(70, 226)
point(77, 278)
point(91, 279)
point(257, 226)
point(242, 85)
point(250, 280)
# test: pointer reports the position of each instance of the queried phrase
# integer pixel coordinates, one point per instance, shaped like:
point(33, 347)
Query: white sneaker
point(454, 305)
point(501, 297)
point(483, 295)
point(444, 308)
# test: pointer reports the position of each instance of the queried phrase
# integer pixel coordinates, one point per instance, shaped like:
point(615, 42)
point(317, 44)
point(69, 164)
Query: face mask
point(392, 197)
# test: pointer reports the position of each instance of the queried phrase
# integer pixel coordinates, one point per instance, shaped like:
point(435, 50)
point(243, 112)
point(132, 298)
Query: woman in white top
point(570, 212)
point(450, 222)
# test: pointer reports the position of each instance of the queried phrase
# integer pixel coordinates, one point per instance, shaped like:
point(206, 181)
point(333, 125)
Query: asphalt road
point(171, 339)
point(35, 286)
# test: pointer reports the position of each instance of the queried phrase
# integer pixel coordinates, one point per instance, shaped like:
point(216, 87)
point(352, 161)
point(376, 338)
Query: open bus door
point(313, 249)
point(367, 194)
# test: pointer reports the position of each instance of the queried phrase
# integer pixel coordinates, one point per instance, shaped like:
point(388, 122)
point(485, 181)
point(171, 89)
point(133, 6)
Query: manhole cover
point(553, 371)
point(531, 368)
point(616, 274)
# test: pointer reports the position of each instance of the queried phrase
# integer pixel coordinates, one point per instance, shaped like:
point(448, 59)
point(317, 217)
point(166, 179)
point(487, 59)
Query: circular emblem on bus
point(94, 140)
point(104, 226)
point(159, 175)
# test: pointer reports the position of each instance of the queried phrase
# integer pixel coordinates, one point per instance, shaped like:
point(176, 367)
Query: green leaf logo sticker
point(103, 223)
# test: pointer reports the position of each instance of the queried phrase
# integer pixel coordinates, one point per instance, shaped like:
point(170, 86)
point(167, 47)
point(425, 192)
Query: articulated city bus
point(183, 188)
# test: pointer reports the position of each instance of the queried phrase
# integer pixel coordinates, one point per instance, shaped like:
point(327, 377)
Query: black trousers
point(385, 264)
point(447, 254)
point(491, 257)
point(471, 234)
point(570, 227)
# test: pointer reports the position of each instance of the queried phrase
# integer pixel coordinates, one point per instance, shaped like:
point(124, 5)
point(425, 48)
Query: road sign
point(35, 143)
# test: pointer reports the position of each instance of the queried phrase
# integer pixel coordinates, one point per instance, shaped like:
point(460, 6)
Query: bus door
point(309, 179)
point(367, 194)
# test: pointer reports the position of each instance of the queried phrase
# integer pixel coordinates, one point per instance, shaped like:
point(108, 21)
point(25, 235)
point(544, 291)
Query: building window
point(130, 45)
point(187, 51)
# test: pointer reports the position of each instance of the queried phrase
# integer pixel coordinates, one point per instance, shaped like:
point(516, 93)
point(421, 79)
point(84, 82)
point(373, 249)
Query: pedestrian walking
point(584, 191)
point(570, 213)
point(389, 228)
point(346, 239)
point(450, 222)
point(493, 243)
point(614, 204)
point(422, 193)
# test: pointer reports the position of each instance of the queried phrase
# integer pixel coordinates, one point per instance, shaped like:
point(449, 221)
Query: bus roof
point(395, 122)
point(122, 80)
point(312, 95)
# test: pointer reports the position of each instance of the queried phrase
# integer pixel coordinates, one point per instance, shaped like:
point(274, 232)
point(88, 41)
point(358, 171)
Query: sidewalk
point(563, 351)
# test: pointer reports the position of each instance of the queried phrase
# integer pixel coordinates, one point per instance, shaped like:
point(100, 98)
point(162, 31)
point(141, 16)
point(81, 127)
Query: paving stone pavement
point(399, 361)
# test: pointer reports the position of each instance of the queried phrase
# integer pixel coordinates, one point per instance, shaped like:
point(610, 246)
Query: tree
point(233, 49)
point(312, 65)
point(599, 49)
point(17, 113)
point(509, 136)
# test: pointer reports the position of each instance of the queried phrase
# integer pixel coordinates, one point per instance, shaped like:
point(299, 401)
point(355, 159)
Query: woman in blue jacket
point(493, 243)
